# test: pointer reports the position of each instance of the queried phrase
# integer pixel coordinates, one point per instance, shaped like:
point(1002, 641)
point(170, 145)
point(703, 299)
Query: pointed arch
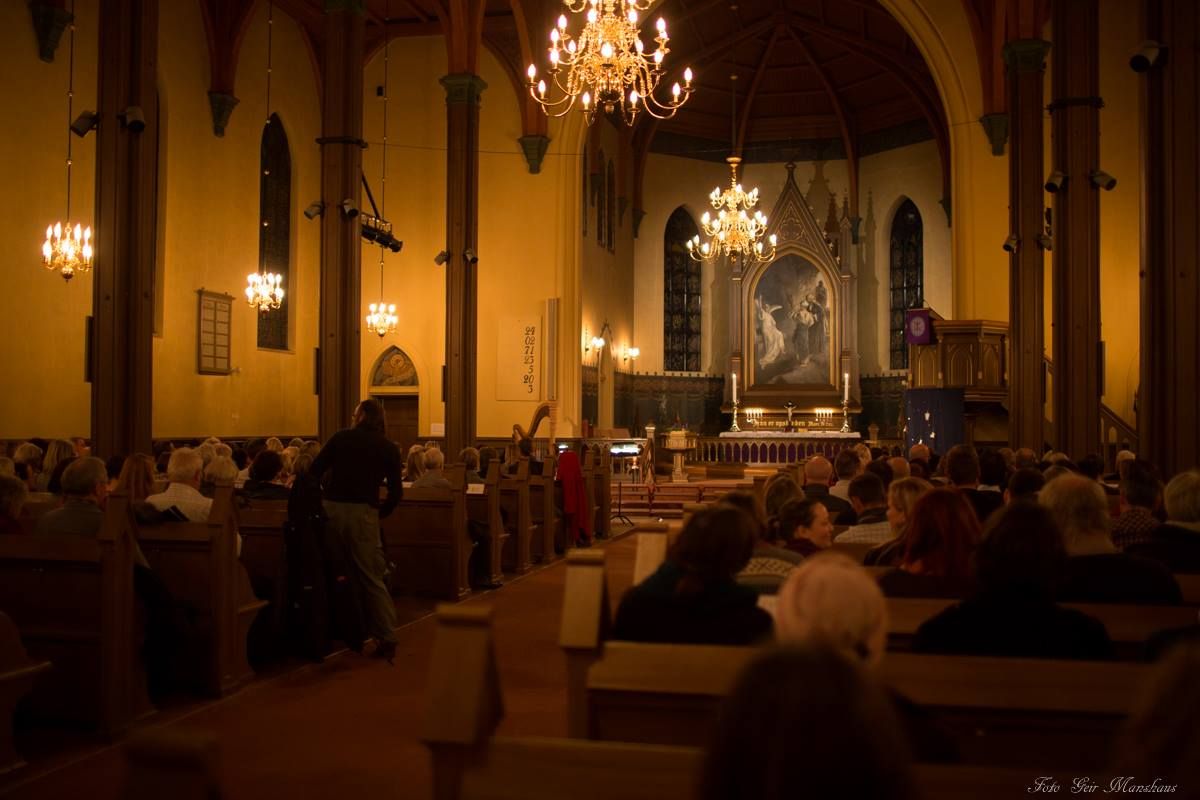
point(683, 318)
point(906, 270)
point(274, 231)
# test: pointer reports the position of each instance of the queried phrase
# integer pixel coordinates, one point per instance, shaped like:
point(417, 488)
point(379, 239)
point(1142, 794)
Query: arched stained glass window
point(907, 282)
point(601, 201)
point(274, 233)
point(610, 209)
point(583, 190)
point(682, 317)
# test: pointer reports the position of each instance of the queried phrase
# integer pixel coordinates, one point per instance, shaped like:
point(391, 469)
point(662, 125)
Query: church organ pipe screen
point(274, 233)
point(907, 282)
point(682, 317)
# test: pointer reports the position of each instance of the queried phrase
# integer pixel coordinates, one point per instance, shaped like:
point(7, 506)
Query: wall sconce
point(595, 343)
point(630, 353)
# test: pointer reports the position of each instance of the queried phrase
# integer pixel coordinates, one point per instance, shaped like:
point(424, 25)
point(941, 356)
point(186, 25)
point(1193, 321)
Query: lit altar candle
point(735, 388)
point(845, 389)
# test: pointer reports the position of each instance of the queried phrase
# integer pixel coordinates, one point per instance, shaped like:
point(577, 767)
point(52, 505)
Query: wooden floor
point(347, 727)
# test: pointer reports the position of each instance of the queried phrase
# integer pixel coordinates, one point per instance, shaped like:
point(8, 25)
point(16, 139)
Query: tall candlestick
point(846, 387)
point(735, 388)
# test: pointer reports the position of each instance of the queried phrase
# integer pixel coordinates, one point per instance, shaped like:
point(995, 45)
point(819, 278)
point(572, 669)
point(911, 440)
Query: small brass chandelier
point(738, 230)
point(68, 247)
point(606, 68)
point(264, 290)
point(381, 316)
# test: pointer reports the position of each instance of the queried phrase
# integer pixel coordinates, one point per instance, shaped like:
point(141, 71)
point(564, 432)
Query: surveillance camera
point(1146, 57)
point(1012, 244)
point(1055, 182)
point(84, 123)
point(441, 258)
point(134, 119)
point(396, 245)
point(349, 209)
point(1045, 242)
point(470, 256)
point(1102, 180)
point(315, 209)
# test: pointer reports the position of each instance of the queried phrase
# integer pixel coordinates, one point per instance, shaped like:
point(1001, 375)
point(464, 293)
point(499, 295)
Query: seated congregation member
point(13, 495)
point(962, 468)
point(805, 527)
point(901, 497)
point(58, 450)
point(469, 456)
point(1141, 494)
point(899, 468)
point(816, 474)
point(414, 463)
point(993, 471)
point(266, 478)
point(832, 601)
point(1177, 543)
point(1018, 567)
point(806, 722)
point(882, 470)
point(777, 491)
point(253, 448)
point(1160, 741)
point(1096, 571)
point(54, 485)
point(769, 564)
point(847, 465)
point(8, 468)
point(486, 456)
point(184, 471)
point(693, 597)
point(113, 467)
point(85, 486)
point(941, 534)
point(869, 499)
point(136, 480)
point(274, 444)
point(1024, 484)
point(221, 471)
point(1025, 458)
point(433, 476)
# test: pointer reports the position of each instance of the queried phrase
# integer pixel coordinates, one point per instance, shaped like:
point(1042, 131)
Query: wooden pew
point(586, 622)
point(652, 542)
point(264, 556)
point(483, 510)
point(543, 508)
point(465, 705)
point(514, 501)
point(857, 551)
point(72, 600)
point(426, 538)
point(17, 671)
point(198, 562)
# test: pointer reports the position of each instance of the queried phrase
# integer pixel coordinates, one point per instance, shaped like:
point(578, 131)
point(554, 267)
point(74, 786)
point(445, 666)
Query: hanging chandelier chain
point(70, 106)
point(270, 53)
point(382, 318)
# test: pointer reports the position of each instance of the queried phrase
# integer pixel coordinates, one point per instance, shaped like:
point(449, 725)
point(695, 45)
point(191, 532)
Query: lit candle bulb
point(531, 72)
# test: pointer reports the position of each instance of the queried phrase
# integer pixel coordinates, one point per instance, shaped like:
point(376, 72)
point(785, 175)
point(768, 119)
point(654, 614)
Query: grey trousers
point(355, 527)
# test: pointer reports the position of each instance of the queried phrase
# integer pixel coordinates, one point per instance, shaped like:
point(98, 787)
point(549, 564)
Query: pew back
point(426, 538)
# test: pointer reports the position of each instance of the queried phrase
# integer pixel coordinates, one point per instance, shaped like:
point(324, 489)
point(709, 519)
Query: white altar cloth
point(802, 434)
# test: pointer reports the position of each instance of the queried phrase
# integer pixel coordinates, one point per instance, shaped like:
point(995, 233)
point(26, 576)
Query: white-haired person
point(185, 471)
point(220, 470)
point(829, 600)
point(432, 477)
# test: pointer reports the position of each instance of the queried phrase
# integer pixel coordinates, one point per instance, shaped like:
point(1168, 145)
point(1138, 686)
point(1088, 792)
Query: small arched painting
point(394, 368)
point(791, 322)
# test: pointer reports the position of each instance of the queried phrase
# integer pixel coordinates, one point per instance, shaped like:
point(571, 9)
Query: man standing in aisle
point(359, 460)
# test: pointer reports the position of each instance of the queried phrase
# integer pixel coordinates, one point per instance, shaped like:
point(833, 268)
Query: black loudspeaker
point(934, 417)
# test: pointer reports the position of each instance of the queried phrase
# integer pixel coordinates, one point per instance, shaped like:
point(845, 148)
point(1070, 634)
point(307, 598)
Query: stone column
point(341, 144)
point(1075, 119)
point(736, 305)
point(463, 92)
point(123, 294)
point(1026, 61)
point(1168, 422)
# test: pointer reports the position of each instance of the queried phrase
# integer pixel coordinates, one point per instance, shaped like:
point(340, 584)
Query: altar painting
point(791, 324)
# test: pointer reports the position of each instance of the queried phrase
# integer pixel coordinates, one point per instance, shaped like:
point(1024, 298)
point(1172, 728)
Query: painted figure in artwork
point(792, 347)
point(773, 347)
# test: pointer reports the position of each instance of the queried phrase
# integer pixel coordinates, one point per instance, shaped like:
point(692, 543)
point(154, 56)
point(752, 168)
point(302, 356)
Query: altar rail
point(768, 450)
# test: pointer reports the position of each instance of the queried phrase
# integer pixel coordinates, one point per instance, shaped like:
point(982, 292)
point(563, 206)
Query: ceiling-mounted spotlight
point(470, 256)
point(84, 123)
point(1045, 242)
point(441, 258)
point(1012, 243)
point(395, 245)
point(1102, 180)
point(1055, 182)
point(349, 210)
point(134, 118)
point(315, 209)
point(1147, 56)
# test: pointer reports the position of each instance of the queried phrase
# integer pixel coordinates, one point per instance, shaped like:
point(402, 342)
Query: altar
point(757, 448)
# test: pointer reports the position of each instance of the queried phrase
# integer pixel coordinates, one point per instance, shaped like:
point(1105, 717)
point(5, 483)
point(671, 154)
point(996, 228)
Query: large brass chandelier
point(738, 230)
point(68, 246)
point(264, 290)
point(607, 68)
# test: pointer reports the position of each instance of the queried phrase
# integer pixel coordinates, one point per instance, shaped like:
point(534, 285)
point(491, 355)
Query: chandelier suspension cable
point(382, 318)
point(70, 106)
point(270, 37)
point(264, 290)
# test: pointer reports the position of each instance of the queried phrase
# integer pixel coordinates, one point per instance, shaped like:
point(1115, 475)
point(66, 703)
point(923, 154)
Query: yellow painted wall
point(212, 207)
point(45, 394)
point(527, 230)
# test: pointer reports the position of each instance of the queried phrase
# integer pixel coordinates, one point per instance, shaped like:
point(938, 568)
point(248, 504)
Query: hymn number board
point(213, 340)
point(519, 359)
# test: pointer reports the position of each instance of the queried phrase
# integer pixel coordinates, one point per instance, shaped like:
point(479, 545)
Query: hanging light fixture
point(68, 246)
point(264, 290)
point(738, 230)
point(607, 67)
point(382, 319)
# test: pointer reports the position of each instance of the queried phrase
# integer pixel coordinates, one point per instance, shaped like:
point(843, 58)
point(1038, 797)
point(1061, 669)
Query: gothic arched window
point(610, 210)
point(274, 233)
point(583, 190)
point(681, 296)
point(907, 282)
point(599, 196)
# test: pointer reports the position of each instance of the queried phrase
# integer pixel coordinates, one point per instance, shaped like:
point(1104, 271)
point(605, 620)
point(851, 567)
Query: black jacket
point(359, 461)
